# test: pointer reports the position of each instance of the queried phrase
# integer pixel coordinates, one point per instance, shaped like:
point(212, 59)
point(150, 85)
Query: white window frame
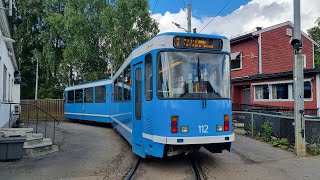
point(9, 88)
point(290, 92)
point(240, 68)
point(4, 83)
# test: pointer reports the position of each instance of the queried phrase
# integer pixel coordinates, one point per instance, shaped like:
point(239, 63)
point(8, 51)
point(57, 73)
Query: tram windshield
point(190, 75)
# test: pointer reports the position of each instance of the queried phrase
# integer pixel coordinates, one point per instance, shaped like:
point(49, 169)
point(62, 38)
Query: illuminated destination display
point(197, 43)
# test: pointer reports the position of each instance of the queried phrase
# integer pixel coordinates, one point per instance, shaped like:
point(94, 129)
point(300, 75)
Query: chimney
point(258, 28)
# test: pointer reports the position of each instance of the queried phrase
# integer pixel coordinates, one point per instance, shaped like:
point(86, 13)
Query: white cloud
point(257, 13)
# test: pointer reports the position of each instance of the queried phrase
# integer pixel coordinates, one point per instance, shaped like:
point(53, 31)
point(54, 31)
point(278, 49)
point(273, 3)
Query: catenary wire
point(215, 15)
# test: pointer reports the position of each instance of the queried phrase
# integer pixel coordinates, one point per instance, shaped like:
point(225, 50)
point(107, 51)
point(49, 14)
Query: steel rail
point(134, 169)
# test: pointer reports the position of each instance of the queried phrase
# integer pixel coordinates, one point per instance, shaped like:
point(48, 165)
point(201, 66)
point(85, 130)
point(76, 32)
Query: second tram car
point(171, 96)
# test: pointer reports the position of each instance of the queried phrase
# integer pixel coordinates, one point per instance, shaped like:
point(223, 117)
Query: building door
point(247, 98)
point(137, 143)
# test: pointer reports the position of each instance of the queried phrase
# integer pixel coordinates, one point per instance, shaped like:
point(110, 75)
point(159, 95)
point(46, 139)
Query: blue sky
point(200, 8)
point(238, 17)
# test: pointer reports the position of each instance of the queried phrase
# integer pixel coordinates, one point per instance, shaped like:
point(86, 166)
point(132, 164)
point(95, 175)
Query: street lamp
point(179, 26)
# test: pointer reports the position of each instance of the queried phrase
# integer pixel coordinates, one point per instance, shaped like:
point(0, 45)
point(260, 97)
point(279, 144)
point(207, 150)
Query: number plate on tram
point(197, 43)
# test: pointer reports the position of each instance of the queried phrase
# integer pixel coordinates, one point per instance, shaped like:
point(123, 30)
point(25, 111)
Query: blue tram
point(171, 96)
point(89, 101)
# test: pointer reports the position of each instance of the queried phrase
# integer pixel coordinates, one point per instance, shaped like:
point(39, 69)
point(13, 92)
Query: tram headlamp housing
point(219, 128)
point(184, 129)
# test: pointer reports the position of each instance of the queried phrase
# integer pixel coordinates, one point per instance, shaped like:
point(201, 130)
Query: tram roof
point(162, 41)
point(90, 84)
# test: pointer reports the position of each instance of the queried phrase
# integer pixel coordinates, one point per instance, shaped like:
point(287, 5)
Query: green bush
point(314, 150)
point(282, 143)
point(266, 136)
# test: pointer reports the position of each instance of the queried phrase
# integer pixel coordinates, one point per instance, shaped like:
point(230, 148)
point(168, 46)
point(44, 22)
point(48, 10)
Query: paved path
point(86, 152)
point(93, 152)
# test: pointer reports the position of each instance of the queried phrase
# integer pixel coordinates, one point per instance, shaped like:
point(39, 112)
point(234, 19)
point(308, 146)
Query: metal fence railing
point(54, 107)
point(267, 108)
point(47, 126)
point(281, 125)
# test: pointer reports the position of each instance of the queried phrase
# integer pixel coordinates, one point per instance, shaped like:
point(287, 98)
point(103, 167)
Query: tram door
point(137, 117)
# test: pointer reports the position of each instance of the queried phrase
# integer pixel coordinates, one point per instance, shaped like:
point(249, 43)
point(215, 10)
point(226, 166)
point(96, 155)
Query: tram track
point(134, 169)
point(197, 169)
point(198, 174)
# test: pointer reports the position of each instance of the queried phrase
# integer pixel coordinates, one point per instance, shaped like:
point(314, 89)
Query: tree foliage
point(76, 41)
point(315, 35)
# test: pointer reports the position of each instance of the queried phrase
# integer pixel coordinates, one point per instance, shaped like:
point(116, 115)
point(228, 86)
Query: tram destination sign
point(197, 43)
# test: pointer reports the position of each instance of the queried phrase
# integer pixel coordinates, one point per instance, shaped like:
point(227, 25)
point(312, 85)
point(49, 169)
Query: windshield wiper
point(204, 101)
point(199, 71)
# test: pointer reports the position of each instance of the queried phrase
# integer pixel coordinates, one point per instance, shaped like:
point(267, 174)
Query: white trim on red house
point(281, 25)
point(279, 82)
point(260, 53)
point(313, 55)
point(290, 98)
point(318, 92)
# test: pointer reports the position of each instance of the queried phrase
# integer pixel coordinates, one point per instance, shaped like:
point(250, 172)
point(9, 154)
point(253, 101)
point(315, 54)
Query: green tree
point(26, 32)
point(315, 35)
point(76, 41)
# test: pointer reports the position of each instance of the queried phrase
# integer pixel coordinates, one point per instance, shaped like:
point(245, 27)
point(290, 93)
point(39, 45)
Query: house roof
point(274, 75)
point(256, 33)
point(4, 27)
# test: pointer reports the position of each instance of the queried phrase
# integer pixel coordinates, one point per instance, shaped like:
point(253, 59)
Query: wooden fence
point(55, 107)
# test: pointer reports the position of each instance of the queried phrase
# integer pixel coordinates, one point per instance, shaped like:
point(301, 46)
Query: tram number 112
point(203, 128)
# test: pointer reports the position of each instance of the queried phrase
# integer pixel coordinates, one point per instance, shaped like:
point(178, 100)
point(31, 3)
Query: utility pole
point(189, 18)
point(37, 78)
point(298, 84)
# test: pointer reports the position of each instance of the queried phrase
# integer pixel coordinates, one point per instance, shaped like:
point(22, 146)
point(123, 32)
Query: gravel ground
point(93, 152)
point(248, 159)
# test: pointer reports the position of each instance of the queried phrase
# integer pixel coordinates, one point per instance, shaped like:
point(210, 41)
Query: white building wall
point(6, 93)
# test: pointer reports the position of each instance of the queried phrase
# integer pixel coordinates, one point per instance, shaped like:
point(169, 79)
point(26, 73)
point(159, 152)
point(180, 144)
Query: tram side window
point(148, 77)
point(117, 89)
point(79, 96)
point(71, 96)
point(127, 84)
point(88, 95)
point(100, 94)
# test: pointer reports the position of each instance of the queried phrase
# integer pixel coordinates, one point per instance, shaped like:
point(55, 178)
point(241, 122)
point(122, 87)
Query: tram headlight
point(184, 129)
point(219, 128)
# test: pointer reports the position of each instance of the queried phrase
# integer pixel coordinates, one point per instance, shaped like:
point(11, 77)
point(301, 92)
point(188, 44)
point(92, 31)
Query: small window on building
point(88, 95)
point(71, 96)
point(289, 32)
point(100, 94)
point(280, 91)
point(9, 88)
point(148, 77)
point(236, 60)
point(262, 92)
point(4, 96)
point(307, 90)
point(79, 96)
point(12, 84)
point(127, 84)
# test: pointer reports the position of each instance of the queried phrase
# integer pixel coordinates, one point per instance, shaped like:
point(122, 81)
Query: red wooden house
point(262, 68)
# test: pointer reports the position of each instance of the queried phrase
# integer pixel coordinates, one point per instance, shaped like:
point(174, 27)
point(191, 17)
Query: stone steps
point(35, 144)
point(34, 139)
point(33, 149)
